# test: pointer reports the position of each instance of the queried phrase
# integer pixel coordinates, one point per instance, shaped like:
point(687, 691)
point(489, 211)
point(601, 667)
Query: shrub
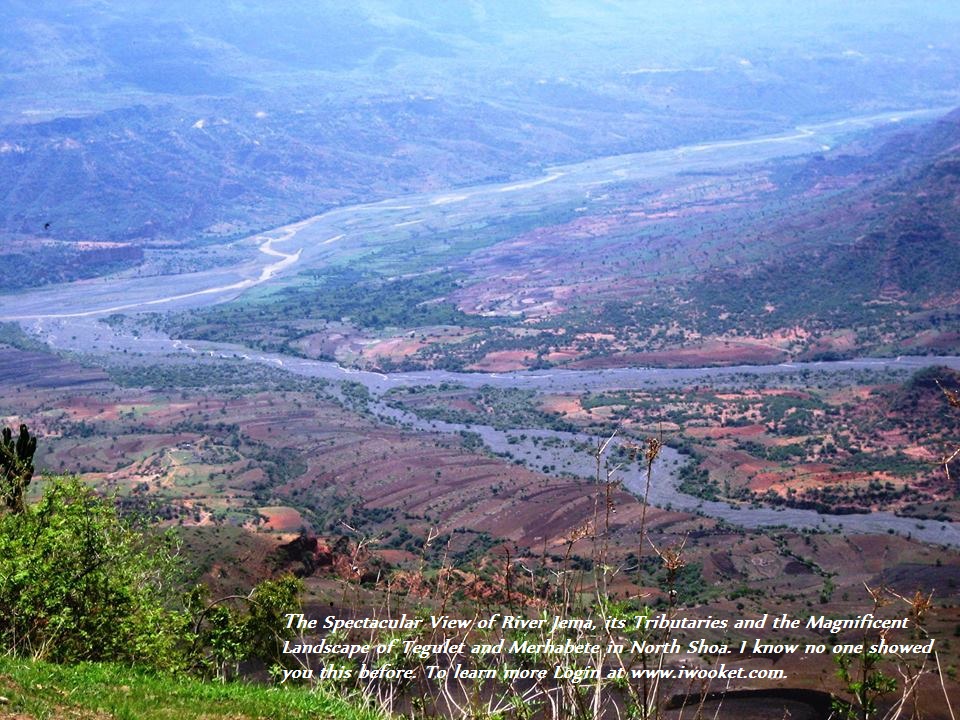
point(242, 628)
point(77, 584)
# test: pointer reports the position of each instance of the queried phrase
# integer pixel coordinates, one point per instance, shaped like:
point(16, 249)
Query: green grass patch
point(11, 334)
point(589, 402)
point(42, 690)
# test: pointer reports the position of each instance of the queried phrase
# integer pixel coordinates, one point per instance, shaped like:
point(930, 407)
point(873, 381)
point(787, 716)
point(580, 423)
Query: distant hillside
point(159, 125)
point(879, 261)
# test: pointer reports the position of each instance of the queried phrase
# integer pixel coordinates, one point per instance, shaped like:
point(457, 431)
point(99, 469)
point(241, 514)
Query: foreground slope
point(102, 691)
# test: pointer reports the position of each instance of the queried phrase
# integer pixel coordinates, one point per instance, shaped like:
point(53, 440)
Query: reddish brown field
point(503, 361)
point(731, 431)
point(211, 458)
point(710, 353)
point(282, 519)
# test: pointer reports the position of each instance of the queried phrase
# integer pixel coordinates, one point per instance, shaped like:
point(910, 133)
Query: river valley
point(68, 318)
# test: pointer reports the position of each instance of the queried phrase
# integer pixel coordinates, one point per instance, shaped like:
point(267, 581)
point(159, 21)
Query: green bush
point(77, 584)
point(238, 628)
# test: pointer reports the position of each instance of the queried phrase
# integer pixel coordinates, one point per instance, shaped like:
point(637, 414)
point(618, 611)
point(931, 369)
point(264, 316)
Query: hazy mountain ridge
point(156, 141)
point(200, 122)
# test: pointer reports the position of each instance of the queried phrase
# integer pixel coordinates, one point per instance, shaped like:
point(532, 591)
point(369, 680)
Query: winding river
point(67, 317)
point(352, 232)
point(526, 444)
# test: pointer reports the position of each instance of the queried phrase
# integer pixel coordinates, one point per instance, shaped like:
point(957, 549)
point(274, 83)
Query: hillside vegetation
point(84, 589)
point(173, 126)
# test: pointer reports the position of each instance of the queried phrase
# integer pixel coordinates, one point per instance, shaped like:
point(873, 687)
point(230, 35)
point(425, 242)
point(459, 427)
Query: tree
point(243, 628)
point(16, 467)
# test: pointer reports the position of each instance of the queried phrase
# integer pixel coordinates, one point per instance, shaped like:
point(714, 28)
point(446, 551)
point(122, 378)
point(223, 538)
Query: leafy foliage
point(234, 629)
point(13, 335)
point(77, 584)
point(863, 679)
point(363, 299)
point(47, 265)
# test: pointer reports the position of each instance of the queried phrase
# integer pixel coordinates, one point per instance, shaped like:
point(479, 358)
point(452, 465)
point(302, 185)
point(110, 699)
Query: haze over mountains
point(187, 123)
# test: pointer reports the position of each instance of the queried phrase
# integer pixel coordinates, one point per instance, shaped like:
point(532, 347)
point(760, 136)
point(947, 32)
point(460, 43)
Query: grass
point(91, 690)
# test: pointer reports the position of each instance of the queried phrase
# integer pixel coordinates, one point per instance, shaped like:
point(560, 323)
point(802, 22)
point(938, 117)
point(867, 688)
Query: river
point(526, 444)
point(66, 317)
point(354, 231)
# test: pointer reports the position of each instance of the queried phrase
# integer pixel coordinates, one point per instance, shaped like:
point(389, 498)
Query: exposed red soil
point(41, 370)
point(349, 457)
point(398, 347)
point(282, 519)
point(729, 431)
point(562, 405)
